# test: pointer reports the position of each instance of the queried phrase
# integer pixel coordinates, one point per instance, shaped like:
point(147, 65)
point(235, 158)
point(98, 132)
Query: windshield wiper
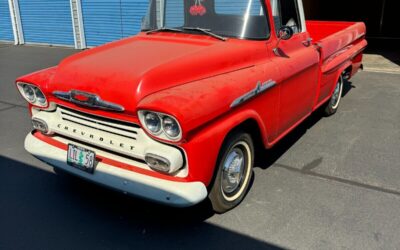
point(163, 29)
point(205, 31)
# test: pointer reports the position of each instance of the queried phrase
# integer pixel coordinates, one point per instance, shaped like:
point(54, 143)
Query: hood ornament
point(88, 100)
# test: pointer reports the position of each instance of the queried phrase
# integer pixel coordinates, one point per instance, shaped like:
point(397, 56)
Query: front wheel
point(233, 173)
point(333, 104)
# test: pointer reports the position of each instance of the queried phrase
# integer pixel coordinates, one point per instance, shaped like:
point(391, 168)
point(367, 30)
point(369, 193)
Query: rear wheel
point(333, 104)
point(233, 173)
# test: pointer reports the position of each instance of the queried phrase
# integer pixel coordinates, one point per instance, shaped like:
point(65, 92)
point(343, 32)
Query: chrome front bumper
point(179, 194)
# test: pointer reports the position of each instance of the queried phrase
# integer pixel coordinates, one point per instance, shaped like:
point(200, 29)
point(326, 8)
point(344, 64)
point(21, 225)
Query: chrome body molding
point(88, 100)
point(260, 88)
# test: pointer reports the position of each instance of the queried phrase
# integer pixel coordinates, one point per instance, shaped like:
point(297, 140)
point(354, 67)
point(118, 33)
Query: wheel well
point(251, 127)
point(347, 72)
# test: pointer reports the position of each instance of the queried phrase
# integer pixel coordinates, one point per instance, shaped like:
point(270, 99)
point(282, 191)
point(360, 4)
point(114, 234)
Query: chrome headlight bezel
point(162, 134)
point(39, 98)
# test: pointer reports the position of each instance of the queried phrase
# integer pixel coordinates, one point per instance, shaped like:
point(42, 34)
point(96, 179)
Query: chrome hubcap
point(336, 94)
point(232, 172)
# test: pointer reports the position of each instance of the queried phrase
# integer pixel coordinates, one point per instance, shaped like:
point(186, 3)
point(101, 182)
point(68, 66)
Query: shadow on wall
point(42, 210)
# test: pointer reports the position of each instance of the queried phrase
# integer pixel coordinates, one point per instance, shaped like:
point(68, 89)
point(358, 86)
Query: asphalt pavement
point(334, 183)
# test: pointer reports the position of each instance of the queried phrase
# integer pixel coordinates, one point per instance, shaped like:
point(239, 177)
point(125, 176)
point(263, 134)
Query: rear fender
point(342, 60)
point(338, 74)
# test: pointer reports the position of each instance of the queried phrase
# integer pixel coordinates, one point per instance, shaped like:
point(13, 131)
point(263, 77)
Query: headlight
point(32, 94)
point(29, 93)
point(152, 122)
point(40, 98)
point(161, 125)
point(171, 127)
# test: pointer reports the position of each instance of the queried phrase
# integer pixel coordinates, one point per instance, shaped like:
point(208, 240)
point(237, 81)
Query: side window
point(238, 7)
point(286, 13)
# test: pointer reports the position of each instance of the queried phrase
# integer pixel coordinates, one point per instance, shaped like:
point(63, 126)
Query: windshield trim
point(266, 15)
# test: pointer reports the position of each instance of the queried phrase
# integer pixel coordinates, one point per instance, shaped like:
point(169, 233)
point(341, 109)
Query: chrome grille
point(114, 127)
point(109, 137)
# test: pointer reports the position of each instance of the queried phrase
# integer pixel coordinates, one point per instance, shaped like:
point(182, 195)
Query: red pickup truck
point(174, 113)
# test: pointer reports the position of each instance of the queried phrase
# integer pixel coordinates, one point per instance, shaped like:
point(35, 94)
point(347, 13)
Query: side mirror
point(284, 33)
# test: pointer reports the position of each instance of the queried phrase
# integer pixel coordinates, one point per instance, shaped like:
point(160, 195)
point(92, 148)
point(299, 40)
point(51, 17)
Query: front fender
point(198, 103)
point(40, 78)
point(204, 145)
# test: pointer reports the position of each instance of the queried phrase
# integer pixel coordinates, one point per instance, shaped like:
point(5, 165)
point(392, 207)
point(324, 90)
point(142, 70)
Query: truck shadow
point(42, 210)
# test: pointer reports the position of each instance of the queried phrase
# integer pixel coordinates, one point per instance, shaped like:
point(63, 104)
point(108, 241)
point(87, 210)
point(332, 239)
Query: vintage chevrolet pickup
point(175, 113)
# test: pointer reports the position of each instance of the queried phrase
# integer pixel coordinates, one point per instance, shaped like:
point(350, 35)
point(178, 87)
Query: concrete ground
point(382, 61)
point(334, 183)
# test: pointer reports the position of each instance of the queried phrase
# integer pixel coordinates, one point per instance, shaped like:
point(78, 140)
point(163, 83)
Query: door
point(6, 30)
point(298, 64)
point(47, 21)
point(110, 20)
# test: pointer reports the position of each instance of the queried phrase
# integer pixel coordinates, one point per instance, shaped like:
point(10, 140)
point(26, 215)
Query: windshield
point(243, 19)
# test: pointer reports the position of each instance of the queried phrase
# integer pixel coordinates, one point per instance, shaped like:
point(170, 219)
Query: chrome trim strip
point(92, 100)
point(260, 88)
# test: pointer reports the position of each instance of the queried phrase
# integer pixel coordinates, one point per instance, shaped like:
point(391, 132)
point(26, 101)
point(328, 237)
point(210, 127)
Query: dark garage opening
point(383, 33)
point(379, 15)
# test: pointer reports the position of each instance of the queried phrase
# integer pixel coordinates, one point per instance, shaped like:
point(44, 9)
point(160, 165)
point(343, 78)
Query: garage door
point(47, 21)
point(6, 31)
point(108, 20)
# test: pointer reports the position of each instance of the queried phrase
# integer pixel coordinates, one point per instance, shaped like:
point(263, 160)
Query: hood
point(128, 70)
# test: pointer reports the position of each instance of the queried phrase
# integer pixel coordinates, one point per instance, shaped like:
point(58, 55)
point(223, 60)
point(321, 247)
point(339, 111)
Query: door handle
point(307, 42)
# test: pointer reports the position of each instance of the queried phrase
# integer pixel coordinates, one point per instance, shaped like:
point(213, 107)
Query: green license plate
point(81, 158)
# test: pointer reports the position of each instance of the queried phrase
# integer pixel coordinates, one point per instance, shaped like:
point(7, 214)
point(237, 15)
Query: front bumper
point(173, 193)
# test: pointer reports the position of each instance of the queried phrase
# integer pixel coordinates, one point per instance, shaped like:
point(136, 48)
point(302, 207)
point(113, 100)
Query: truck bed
point(340, 45)
point(335, 36)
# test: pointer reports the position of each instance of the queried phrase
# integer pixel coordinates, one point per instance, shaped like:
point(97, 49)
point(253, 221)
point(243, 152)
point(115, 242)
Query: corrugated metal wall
point(47, 21)
point(236, 7)
point(132, 13)
point(109, 20)
point(175, 8)
point(6, 30)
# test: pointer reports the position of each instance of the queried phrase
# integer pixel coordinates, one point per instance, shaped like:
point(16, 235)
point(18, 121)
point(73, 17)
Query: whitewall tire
point(333, 104)
point(234, 171)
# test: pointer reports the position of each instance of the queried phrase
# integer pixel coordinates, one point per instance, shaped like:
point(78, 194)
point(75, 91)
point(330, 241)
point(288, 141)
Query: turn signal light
point(158, 163)
point(40, 125)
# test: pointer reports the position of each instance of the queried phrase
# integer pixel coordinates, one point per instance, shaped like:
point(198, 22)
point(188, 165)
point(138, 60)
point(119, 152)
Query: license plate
point(81, 158)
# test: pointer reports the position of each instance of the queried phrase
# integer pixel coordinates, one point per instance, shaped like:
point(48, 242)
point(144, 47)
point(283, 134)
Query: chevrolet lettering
point(95, 138)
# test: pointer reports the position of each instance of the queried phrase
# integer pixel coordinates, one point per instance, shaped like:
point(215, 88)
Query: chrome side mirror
point(284, 33)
